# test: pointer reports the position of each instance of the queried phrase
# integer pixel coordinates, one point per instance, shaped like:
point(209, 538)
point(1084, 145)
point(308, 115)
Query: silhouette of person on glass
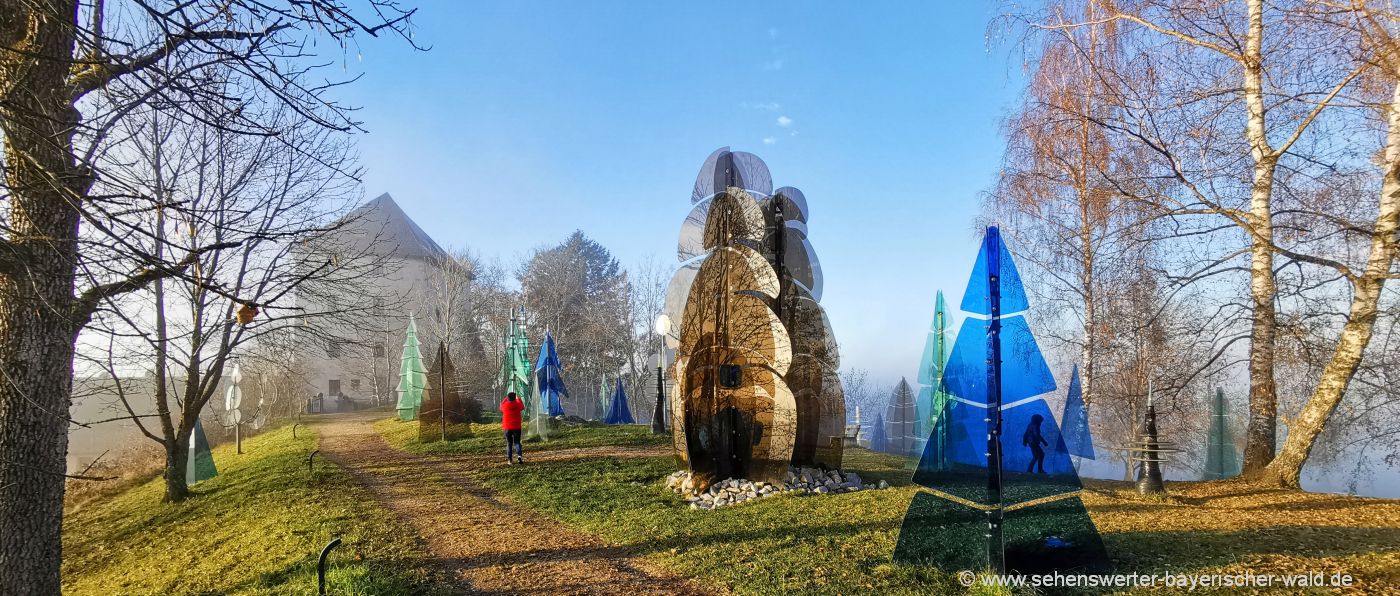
point(1034, 440)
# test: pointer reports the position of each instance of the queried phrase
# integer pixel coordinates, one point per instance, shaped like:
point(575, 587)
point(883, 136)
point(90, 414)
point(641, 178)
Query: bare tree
point(70, 73)
point(257, 200)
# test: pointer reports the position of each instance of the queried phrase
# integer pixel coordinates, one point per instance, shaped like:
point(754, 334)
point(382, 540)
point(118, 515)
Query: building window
point(378, 350)
point(334, 387)
point(354, 384)
point(332, 348)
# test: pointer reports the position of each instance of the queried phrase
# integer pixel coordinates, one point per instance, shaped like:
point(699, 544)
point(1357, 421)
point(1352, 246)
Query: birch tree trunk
point(1263, 397)
point(1356, 333)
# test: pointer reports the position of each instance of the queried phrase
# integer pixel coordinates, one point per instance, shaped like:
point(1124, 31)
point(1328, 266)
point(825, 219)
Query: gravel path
point(491, 546)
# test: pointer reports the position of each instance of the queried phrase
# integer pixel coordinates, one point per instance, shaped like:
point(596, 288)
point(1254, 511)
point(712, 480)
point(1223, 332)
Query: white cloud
point(769, 141)
point(784, 121)
point(769, 106)
point(772, 33)
point(775, 64)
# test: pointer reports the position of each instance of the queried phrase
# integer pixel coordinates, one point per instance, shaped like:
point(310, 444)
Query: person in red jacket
point(511, 407)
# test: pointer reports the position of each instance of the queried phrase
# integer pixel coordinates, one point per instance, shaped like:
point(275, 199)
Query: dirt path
point(492, 546)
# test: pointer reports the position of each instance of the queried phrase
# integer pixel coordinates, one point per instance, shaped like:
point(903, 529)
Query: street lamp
point(658, 415)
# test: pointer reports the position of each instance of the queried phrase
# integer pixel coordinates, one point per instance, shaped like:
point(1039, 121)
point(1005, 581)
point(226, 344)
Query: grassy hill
point(256, 528)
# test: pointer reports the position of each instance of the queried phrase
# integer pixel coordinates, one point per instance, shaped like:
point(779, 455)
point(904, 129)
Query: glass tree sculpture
point(515, 366)
point(442, 415)
point(1222, 457)
point(413, 379)
point(618, 412)
point(548, 380)
point(755, 367)
point(879, 437)
point(988, 504)
point(1078, 438)
point(604, 397)
point(901, 417)
point(200, 463)
point(540, 424)
point(932, 400)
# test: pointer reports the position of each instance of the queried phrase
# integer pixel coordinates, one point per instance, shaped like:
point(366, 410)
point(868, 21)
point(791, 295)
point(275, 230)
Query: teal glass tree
point(413, 378)
point(932, 400)
point(200, 463)
point(1222, 457)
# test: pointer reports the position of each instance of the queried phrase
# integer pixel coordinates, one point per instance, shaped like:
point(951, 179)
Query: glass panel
point(676, 295)
point(724, 169)
point(692, 240)
point(801, 262)
point(1013, 295)
point(705, 180)
point(1024, 372)
point(1035, 463)
point(794, 203)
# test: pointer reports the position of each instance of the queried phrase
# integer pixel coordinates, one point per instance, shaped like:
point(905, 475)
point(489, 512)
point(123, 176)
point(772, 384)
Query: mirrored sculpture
point(199, 464)
point(548, 379)
point(618, 412)
point(988, 503)
point(1222, 457)
point(443, 415)
point(755, 367)
point(1148, 451)
point(412, 377)
point(515, 365)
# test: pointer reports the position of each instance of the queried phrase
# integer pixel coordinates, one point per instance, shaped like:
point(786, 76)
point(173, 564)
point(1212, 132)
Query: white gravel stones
point(732, 491)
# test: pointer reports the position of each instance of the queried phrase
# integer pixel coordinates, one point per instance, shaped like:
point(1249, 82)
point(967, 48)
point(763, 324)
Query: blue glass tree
point(1078, 439)
point(618, 412)
point(547, 378)
point(990, 504)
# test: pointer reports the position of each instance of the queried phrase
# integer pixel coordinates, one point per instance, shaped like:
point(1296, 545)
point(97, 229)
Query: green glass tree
point(515, 367)
point(1222, 458)
point(413, 378)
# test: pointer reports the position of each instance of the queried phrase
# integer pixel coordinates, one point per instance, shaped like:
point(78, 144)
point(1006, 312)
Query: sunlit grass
point(488, 438)
point(256, 528)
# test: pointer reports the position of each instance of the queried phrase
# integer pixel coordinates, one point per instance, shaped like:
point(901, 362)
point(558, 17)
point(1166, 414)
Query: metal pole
point(996, 555)
point(442, 389)
point(321, 566)
point(658, 415)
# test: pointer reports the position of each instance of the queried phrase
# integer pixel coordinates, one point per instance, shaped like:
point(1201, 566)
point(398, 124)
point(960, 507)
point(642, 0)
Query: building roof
point(381, 226)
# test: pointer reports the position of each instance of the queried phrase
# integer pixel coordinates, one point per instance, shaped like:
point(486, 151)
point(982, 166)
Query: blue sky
point(527, 120)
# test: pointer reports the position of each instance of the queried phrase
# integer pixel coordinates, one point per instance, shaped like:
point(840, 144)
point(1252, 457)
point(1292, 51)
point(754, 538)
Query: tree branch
point(89, 300)
point(95, 76)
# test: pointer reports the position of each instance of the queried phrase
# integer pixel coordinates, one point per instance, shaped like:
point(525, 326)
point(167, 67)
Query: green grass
point(487, 438)
point(836, 544)
point(844, 543)
point(256, 528)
